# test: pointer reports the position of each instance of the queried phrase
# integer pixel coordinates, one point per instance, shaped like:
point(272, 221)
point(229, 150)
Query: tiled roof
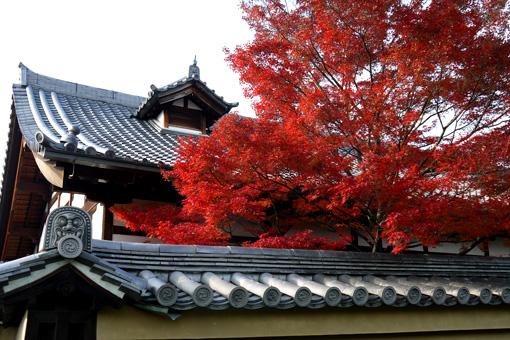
point(48, 108)
point(173, 278)
point(222, 277)
point(41, 264)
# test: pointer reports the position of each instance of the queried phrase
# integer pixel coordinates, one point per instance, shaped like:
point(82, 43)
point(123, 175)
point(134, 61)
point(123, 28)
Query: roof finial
point(194, 71)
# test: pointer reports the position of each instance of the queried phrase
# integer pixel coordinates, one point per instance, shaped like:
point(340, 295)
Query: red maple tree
point(382, 120)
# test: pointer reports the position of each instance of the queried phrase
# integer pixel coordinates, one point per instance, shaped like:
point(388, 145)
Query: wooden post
point(107, 222)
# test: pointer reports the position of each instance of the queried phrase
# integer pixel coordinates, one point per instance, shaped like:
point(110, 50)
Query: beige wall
point(464, 322)
point(8, 333)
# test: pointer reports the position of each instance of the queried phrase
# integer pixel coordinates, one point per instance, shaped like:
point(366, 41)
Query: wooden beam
point(218, 108)
point(90, 207)
point(12, 165)
point(101, 192)
point(53, 173)
point(122, 230)
point(54, 198)
point(175, 96)
point(166, 118)
point(109, 175)
point(180, 109)
point(70, 202)
point(154, 189)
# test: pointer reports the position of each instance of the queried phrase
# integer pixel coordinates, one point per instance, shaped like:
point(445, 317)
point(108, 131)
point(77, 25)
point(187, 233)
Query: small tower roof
point(187, 87)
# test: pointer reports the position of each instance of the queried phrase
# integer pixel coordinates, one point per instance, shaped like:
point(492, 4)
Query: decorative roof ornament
point(165, 293)
point(194, 70)
point(70, 140)
point(70, 230)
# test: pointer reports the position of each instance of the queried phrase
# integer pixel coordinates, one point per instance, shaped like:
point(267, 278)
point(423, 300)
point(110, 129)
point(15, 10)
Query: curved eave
point(96, 161)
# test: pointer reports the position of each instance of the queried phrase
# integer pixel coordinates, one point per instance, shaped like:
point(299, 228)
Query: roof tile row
point(219, 277)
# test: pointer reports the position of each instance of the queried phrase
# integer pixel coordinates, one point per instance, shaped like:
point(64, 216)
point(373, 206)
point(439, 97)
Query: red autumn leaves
point(383, 122)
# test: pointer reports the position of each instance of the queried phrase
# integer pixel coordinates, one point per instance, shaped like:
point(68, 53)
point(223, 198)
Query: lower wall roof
point(172, 279)
point(222, 277)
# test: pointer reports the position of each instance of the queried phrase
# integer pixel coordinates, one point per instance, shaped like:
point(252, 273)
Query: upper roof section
point(69, 120)
point(28, 77)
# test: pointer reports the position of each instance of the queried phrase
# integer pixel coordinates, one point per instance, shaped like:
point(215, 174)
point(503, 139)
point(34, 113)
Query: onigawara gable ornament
point(69, 229)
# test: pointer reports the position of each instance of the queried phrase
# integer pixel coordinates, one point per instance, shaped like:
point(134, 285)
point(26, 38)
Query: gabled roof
point(24, 278)
point(190, 86)
point(104, 118)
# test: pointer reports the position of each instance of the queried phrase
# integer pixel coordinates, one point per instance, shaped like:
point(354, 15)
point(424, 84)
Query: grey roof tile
point(140, 247)
point(106, 244)
point(174, 248)
point(212, 250)
point(385, 271)
point(276, 252)
point(104, 117)
point(246, 252)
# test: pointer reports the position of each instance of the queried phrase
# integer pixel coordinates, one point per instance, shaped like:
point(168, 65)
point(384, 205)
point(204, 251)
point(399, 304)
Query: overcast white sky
point(120, 45)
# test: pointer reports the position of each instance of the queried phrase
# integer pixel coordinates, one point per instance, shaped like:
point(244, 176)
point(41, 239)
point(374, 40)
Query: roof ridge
point(105, 246)
point(29, 77)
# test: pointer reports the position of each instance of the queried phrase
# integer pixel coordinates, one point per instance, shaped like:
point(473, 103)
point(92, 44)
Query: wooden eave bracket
point(53, 173)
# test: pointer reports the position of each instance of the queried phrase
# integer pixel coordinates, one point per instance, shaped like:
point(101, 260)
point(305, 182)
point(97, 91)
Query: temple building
point(58, 281)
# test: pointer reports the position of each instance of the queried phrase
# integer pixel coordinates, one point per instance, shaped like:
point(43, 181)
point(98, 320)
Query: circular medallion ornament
point(389, 295)
point(414, 295)
point(70, 246)
point(463, 295)
point(40, 138)
point(360, 296)
point(272, 297)
point(66, 289)
point(333, 296)
point(238, 297)
point(70, 147)
point(166, 295)
point(485, 295)
point(303, 297)
point(439, 295)
point(505, 294)
point(202, 296)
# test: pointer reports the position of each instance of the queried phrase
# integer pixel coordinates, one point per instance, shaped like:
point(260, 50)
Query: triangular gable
point(25, 279)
